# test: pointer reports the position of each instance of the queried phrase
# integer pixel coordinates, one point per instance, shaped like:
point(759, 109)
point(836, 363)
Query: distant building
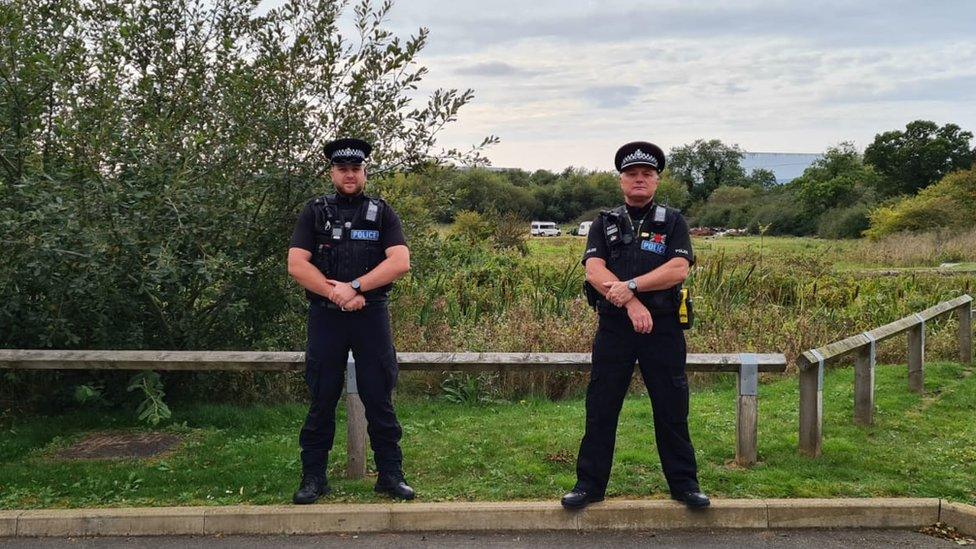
point(786, 166)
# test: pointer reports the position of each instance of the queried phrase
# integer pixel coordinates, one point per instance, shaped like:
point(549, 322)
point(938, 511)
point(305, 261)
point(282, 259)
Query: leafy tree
point(839, 177)
point(919, 156)
point(672, 192)
point(706, 165)
point(154, 154)
point(761, 178)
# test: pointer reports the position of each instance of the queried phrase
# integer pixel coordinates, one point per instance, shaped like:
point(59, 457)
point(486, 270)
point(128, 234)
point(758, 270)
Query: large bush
point(727, 207)
point(844, 222)
point(949, 203)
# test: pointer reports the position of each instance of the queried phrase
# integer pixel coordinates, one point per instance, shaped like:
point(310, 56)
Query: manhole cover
point(120, 446)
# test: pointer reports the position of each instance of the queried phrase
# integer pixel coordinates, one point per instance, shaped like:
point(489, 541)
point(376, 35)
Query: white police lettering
point(681, 251)
point(349, 152)
point(590, 251)
point(360, 234)
point(638, 156)
point(611, 229)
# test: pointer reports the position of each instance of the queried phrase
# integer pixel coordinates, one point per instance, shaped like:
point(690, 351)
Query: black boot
point(312, 488)
point(394, 486)
point(692, 498)
point(579, 498)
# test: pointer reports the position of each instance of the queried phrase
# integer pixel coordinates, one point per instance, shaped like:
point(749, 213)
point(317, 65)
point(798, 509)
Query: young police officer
point(346, 251)
point(637, 256)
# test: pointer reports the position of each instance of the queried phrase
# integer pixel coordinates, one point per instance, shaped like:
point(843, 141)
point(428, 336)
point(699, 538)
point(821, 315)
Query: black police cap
point(348, 151)
point(639, 153)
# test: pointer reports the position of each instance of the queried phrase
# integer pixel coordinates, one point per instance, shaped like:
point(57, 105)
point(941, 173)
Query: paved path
point(767, 539)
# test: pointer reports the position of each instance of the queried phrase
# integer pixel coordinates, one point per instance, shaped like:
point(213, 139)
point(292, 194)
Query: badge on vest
point(360, 234)
point(653, 247)
point(655, 244)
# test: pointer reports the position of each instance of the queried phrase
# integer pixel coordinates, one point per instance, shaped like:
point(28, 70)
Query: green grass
point(920, 446)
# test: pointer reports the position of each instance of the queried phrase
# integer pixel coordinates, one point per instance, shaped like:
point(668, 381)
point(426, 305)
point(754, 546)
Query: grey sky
point(565, 82)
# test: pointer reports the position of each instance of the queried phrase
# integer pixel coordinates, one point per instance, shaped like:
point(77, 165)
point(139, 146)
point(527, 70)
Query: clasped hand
point(347, 298)
point(620, 295)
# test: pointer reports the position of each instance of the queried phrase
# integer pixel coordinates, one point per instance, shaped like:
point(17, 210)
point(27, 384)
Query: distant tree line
point(836, 197)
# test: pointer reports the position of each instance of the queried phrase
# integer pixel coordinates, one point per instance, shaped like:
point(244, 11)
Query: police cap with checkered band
point(639, 153)
point(348, 151)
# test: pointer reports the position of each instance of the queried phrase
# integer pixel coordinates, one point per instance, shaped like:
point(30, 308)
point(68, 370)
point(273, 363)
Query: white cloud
point(564, 83)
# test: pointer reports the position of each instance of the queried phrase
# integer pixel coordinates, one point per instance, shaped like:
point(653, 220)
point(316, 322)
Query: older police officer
point(346, 251)
point(637, 256)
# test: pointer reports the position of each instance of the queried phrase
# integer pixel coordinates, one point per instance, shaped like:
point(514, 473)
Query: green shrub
point(844, 222)
point(949, 203)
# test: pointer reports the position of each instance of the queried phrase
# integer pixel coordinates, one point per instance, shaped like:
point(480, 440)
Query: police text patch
point(360, 234)
point(654, 247)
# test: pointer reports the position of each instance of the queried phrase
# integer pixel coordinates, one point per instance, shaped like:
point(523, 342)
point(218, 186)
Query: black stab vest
point(346, 249)
point(631, 255)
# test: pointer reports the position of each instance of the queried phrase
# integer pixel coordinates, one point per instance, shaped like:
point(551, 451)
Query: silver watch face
point(355, 285)
point(632, 285)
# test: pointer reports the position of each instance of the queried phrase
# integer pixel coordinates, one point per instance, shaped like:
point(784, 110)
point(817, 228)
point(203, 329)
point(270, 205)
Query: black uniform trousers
point(661, 355)
point(331, 334)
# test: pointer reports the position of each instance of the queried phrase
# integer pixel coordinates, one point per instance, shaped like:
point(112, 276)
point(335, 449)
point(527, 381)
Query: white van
point(584, 228)
point(545, 228)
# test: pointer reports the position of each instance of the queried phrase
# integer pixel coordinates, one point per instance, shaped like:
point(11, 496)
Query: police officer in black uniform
point(346, 251)
point(636, 259)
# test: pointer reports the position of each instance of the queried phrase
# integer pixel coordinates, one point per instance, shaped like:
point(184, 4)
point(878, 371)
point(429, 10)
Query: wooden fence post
point(811, 407)
point(864, 382)
point(965, 315)
point(747, 411)
point(355, 425)
point(916, 356)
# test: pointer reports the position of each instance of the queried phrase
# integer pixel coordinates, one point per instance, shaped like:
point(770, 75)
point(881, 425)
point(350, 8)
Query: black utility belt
point(326, 304)
point(684, 312)
point(606, 308)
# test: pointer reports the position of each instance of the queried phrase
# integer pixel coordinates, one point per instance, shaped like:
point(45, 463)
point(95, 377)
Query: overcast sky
point(564, 83)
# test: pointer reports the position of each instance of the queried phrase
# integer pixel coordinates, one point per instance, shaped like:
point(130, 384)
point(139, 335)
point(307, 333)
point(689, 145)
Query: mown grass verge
point(921, 446)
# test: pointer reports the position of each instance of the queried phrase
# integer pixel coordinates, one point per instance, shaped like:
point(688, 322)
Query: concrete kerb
point(853, 513)
point(8, 523)
point(960, 516)
point(496, 516)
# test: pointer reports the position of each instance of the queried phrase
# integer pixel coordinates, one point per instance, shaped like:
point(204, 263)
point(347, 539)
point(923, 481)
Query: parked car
point(545, 228)
point(584, 228)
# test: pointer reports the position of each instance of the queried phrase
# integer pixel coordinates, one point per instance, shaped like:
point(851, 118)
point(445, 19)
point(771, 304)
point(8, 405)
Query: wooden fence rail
point(863, 346)
point(748, 366)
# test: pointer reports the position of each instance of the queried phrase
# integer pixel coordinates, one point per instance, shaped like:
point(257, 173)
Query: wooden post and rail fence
point(812, 366)
point(747, 366)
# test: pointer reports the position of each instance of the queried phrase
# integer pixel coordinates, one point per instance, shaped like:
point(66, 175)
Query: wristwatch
point(355, 285)
point(632, 285)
